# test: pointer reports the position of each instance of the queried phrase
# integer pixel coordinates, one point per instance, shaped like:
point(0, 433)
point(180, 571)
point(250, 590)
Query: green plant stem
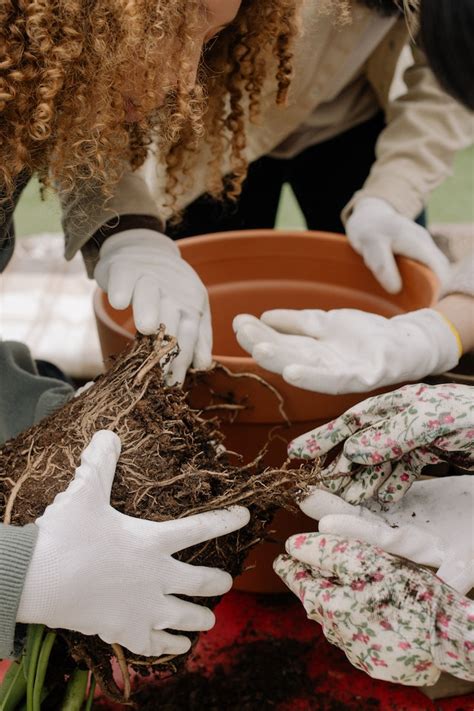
point(90, 696)
point(33, 647)
point(13, 688)
point(42, 669)
point(76, 690)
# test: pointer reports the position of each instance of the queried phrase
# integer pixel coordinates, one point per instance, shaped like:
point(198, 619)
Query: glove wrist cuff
point(39, 597)
point(139, 239)
point(455, 332)
point(453, 647)
point(441, 347)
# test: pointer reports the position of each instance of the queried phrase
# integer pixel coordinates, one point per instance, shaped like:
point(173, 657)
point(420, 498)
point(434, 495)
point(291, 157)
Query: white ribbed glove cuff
point(38, 600)
point(142, 238)
point(440, 350)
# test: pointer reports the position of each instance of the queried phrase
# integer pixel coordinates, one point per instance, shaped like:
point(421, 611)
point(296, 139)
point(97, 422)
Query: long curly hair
point(65, 65)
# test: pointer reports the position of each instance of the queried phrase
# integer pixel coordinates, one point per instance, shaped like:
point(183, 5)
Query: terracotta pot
point(250, 272)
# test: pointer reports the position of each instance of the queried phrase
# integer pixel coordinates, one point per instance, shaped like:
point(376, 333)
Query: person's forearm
point(425, 128)
point(88, 220)
point(459, 310)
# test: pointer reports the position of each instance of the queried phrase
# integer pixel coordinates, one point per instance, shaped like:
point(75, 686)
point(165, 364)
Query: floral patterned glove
point(389, 439)
point(432, 525)
point(392, 620)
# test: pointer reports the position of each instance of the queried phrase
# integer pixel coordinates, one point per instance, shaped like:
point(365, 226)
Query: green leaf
point(75, 691)
point(13, 688)
point(34, 640)
point(42, 669)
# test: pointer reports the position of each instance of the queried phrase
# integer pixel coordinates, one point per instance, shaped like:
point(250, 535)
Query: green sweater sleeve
point(16, 548)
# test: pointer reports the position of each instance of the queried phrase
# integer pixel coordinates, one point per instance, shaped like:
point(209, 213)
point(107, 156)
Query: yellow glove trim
point(455, 333)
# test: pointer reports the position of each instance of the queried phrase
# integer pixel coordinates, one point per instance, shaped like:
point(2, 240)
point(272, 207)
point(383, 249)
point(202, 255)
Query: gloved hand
point(145, 269)
point(432, 525)
point(377, 232)
point(348, 351)
point(98, 571)
point(392, 620)
point(83, 389)
point(389, 439)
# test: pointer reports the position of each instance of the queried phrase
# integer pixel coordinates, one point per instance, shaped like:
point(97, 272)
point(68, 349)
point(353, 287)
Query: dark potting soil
point(263, 675)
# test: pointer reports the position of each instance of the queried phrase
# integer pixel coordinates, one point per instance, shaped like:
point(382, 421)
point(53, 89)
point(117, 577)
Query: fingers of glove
point(170, 316)
point(275, 357)
point(322, 503)
point(391, 438)
point(357, 418)
point(155, 644)
point(242, 320)
point(186, 616)
point(146, 304)
point(388, 440)
point(419, 245)
point(184, 532)
point(93, 478)
point(318, 441)
point(120, 285)
point(187, 336)
point(305, 322)
point(405, 541)
point(299, 579)
point(98, 463)
point(378, 257)
point(202, 359)
point(197, 580)
point(366, 483)
point(332, 555)
point(83, 388)
point(252, 332)
point(324, 378)
point(406, 471)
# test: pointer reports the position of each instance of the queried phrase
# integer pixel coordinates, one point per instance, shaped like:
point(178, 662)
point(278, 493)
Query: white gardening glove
point(83, 389)
point(432, 525)
point(346, 350)
point(392, 620)
point(378, 232)
point(144, 268)
point(97, 571)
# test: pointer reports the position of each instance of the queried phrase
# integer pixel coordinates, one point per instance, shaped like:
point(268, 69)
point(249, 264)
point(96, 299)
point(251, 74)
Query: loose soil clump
point(173, 464)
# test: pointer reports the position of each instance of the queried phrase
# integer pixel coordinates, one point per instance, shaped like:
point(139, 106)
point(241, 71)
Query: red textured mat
point(245, 618)
point(246, 621)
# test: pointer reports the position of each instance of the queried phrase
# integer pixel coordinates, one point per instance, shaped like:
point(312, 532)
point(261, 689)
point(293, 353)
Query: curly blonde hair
point(64, 65)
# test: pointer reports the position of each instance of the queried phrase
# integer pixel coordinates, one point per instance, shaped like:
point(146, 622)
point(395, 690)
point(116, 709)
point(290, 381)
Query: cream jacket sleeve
point(88, 222)
point(415, 152)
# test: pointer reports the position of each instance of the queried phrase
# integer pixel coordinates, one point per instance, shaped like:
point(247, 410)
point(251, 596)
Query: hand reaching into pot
point(145, 269)
point(97, 571)
point(348, 351)
point(378, 232)
point(393, 621)
point(388, 440)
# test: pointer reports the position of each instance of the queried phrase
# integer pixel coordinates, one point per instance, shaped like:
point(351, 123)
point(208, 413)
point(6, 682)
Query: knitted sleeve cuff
point(16, 549)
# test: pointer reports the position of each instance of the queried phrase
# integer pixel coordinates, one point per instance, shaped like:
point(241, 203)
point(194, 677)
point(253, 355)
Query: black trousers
point(323, 178)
